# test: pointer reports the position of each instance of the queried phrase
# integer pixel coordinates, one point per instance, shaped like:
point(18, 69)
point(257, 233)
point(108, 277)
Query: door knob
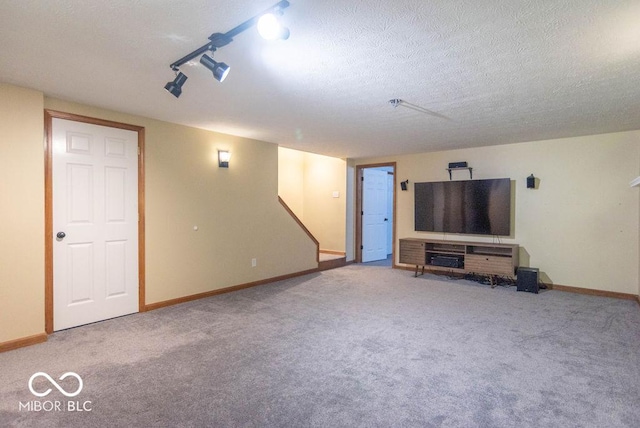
point(61, 235)
point(386, 219)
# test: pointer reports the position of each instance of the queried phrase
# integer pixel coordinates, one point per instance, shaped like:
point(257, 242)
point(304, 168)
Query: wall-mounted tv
point(478, 207)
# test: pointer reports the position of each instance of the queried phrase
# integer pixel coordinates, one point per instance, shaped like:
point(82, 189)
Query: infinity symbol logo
point(54, 383)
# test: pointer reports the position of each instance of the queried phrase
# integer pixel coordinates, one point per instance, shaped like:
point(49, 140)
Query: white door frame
point(48, 206)
point(390, 189)
point(359, 175)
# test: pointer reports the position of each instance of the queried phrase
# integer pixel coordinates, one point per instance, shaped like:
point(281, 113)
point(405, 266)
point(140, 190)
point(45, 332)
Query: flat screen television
point(478, 207)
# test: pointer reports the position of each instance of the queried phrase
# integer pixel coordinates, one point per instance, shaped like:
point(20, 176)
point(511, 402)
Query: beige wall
point(580, 227)
point(323, 213)
point(236, 211)
point(351, 209)
point(307, 183)
point(291, 179)
point(21, 213)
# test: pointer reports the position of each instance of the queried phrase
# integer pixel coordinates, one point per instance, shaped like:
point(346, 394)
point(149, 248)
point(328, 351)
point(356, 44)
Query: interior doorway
point(94, 200)
point(375, 213)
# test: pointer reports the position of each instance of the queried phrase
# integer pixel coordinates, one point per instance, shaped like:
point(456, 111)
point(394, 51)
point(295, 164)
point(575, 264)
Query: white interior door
point(390, 189)
point(95, 223)
point(374, 215)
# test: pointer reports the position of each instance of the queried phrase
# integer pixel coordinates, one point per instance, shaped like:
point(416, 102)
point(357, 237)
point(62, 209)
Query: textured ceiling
point(491, 72)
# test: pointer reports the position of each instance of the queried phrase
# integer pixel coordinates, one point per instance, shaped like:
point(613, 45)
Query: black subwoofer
point(527, 280)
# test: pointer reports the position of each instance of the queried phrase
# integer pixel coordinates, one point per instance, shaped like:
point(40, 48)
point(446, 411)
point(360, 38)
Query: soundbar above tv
point(476, 207)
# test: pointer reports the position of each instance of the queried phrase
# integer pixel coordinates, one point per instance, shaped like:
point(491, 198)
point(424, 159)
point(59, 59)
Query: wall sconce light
point(531, 182)
point(268, 26)
point(404, 184)
point(223, 158)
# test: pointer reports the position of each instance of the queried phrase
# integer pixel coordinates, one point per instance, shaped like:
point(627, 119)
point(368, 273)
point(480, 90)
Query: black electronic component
point(476, 207)
point(447, 261)
point(457, 164)
point(527, 279)
point(531, 182)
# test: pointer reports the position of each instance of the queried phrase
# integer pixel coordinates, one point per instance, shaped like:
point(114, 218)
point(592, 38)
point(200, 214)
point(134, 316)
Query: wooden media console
point(460, 257)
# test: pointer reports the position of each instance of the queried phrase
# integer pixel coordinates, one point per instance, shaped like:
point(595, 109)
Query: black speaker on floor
point(527, 279)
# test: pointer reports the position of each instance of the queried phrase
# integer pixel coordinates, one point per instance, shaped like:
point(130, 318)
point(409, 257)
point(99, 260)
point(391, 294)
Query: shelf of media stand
point(451, 253)
point(460, 256)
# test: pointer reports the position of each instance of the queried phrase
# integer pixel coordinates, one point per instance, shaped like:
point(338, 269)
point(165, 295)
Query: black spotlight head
point(219, 69)
point(175, 87)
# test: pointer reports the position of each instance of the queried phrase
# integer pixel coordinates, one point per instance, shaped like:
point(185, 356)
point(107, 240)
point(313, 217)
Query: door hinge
point(361, 247)
point(138, 150)
point(361, 212)
point(361, 178)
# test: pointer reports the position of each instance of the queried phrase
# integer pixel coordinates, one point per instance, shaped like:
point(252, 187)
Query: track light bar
point(218, 40)
point(397, 102)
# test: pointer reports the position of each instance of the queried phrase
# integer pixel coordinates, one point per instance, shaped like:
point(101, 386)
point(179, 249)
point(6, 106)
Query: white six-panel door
point(95, 222)
point(374, 217)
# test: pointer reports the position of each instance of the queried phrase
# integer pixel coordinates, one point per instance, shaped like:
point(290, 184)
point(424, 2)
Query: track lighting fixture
point(219, 69)
point(175, 87)
point(268, 26)
point(397, 102)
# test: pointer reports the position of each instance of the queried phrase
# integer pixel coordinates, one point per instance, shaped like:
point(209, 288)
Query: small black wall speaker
point(527, 279)
point(531, 182)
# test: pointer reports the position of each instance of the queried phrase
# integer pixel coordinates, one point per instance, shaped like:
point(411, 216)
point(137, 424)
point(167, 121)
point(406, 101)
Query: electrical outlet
point(254, 262)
